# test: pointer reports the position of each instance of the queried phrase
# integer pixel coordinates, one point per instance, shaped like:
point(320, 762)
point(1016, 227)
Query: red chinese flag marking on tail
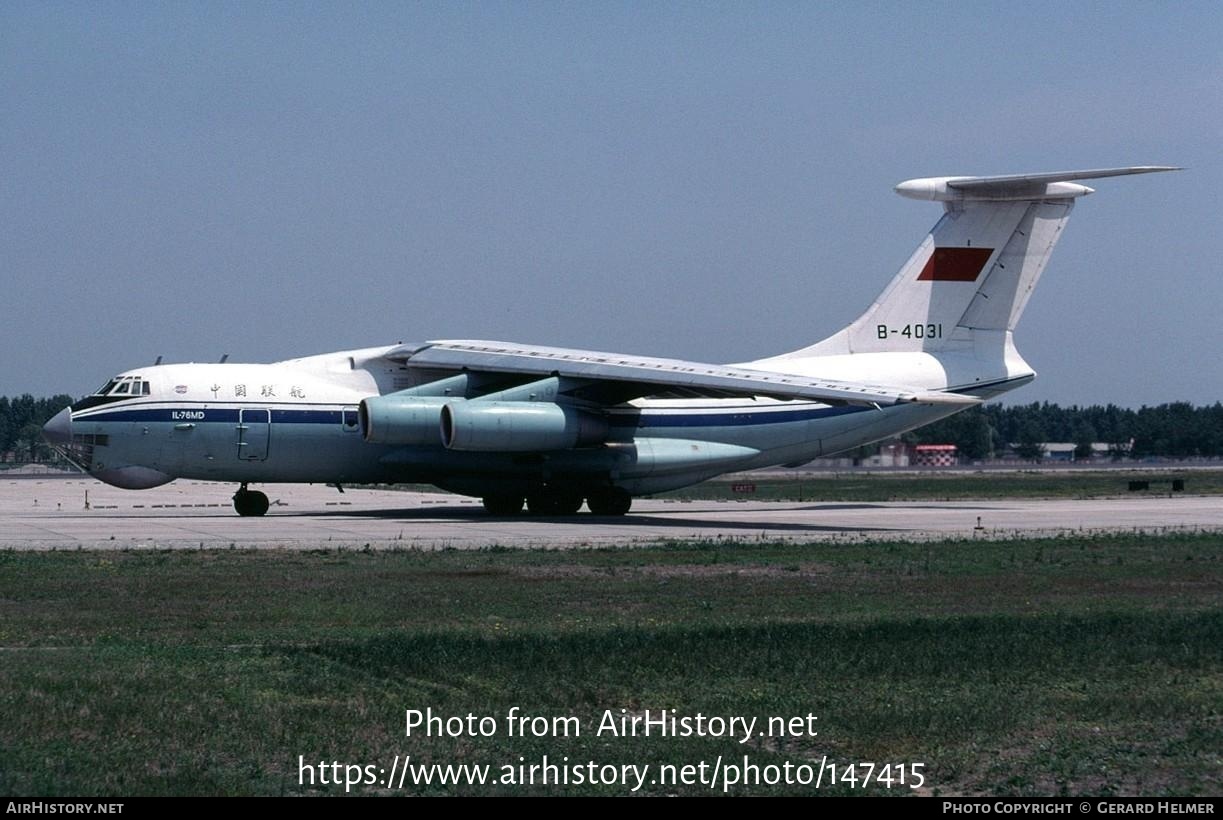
point(955, 264)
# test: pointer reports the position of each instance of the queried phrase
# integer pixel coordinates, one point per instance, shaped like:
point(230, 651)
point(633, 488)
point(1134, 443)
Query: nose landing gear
point(250, 502)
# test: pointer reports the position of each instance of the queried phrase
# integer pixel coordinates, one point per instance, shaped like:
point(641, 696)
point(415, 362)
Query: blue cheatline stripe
point(186, 413)
point(732, 419)
point(645, 419)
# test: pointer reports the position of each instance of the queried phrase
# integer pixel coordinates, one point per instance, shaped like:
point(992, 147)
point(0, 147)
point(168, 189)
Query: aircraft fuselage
point(292, 423)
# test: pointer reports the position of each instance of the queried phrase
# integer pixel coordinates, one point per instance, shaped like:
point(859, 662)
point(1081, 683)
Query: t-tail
point(954, 305)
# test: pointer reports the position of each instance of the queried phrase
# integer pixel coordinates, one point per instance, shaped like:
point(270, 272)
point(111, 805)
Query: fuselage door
point(254, 427)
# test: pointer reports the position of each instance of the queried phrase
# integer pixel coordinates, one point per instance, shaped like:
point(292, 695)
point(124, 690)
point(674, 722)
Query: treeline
point(1177, 430)
point(21, 421)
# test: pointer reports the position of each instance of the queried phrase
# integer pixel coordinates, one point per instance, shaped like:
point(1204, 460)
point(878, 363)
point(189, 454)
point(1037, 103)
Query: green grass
point(933, 485)
point(1075, 665)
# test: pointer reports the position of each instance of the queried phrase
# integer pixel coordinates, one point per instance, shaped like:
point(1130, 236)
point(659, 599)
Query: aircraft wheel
point(250, 502)
point(502, 504)
point(612, 501)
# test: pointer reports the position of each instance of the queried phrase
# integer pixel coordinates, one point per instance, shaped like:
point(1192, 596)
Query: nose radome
point(59, 429)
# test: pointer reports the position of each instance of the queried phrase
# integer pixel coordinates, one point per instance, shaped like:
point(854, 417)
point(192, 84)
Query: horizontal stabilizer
point(1058, 185)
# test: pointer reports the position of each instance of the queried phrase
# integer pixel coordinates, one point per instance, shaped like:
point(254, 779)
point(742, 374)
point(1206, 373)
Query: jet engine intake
point(395, 419)
point(519, 426)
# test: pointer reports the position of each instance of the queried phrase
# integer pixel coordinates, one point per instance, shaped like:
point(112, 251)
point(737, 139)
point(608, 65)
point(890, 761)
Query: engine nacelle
point(519, 426)
point(395, 419)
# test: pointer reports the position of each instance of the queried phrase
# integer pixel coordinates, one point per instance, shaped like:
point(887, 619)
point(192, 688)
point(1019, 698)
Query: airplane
point(555, 427)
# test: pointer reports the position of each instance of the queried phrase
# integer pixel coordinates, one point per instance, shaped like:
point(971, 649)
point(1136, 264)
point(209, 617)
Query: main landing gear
point(250, 502)
point(609, 501)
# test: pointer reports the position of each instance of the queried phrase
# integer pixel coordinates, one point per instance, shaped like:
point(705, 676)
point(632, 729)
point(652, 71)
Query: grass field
point(1027, 667)
point(935, 485)
point(865, 486)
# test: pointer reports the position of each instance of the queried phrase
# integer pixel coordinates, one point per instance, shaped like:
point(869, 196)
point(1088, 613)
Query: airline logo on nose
point(955, 264)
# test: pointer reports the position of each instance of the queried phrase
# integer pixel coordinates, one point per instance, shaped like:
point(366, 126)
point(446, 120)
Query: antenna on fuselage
point(157, 362)
point(224, 356)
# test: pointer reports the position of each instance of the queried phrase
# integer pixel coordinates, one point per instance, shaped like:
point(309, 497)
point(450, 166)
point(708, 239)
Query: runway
point(42, 513)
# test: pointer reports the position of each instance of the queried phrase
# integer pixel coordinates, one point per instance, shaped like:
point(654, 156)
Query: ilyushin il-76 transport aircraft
point(555, 427)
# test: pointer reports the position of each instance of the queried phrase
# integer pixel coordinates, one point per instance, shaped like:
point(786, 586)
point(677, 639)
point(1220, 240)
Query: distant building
point(1064, 450)
point(935, 455)
point(892, 454)
point(1059, 450)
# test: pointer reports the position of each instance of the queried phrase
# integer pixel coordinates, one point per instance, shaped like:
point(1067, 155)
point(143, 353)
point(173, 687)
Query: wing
point(613, 377)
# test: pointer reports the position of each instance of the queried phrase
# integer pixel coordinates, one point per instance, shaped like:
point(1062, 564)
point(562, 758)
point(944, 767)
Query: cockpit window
point(125, 386)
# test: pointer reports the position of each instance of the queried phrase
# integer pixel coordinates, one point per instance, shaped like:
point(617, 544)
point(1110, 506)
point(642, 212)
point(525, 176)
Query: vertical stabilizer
point(966, 285)
point(974, 271)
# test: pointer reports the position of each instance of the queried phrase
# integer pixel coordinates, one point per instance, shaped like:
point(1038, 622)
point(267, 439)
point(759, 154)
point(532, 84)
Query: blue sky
point(701, 180)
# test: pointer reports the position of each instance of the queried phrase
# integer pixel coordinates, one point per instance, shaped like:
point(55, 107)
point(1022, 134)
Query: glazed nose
point(59, 429)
